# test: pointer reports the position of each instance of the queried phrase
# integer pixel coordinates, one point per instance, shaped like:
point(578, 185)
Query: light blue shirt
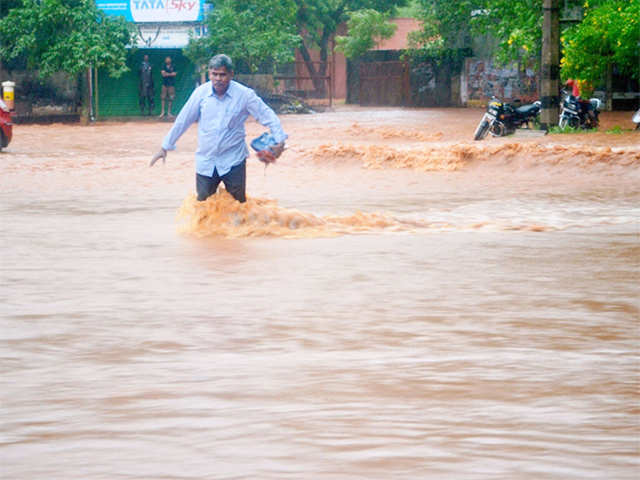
point(221, 134)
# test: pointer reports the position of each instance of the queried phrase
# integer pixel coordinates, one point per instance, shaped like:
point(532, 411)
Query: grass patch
point(568, 129)
point(617, 130)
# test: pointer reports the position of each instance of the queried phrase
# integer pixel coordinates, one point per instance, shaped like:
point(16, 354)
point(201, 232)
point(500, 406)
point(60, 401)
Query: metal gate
point(384, 83)
point(314, 89)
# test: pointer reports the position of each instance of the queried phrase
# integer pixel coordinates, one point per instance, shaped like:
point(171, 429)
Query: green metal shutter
point(118, 97)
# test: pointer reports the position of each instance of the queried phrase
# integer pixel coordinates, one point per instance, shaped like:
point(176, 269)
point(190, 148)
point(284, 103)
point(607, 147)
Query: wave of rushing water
point(221, 215)
point(440, 157)
point(470, 323)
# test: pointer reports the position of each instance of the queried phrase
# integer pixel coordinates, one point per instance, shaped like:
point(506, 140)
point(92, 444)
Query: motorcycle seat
point(527, 109)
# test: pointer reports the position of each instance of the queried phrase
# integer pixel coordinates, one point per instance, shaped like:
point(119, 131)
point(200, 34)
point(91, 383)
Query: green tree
point(515, 25)
point(252, 31)
point(64, 35)
point(7, 5)
point(317, 22)
point(16, 63)
point(608, 35)
point(259, 30)
point(365, 29)
point(445, 26)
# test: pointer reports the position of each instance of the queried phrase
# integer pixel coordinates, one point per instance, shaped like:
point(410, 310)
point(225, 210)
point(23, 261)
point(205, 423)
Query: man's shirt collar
point(227, 93)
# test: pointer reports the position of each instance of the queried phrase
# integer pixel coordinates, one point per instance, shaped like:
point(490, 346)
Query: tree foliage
point(318, 20)
point(608, 35)
point(366, 28)
point(515, 24)
point(7, 5)
point(64, 35)
point(253, 31)
point(445, 26)
point(261, 30)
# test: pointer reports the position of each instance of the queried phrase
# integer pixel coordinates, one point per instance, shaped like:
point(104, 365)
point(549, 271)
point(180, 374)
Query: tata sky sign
point(140, 11)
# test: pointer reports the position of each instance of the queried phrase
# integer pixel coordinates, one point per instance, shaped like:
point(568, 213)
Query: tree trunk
point(609, 87)
point(316, 76)
point(324, 48)
point(85, 110)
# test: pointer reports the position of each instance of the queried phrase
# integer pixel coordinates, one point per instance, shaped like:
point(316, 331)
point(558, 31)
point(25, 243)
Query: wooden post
point(332, 71)
point(90, 74)
point(97, 97)
point(550, 88)
point(360, 88)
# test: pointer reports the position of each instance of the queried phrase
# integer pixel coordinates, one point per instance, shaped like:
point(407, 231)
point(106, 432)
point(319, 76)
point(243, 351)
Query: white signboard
point(165, 10)
point(167, 36)
point(154, 10)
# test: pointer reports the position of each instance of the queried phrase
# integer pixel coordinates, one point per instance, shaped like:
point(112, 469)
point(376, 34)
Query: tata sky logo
point(165, 10)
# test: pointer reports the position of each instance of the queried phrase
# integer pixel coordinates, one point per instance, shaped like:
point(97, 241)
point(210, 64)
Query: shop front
point(162, 29)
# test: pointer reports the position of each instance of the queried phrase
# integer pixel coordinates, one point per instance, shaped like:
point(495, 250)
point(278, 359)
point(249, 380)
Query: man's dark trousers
point(234, 181)
point(146, 96)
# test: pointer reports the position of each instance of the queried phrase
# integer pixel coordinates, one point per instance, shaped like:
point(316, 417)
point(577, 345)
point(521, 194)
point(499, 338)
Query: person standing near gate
point(146, 90)
point(168, 92)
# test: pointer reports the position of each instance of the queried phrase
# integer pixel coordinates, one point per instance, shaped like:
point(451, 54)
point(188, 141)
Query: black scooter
point(503, 118)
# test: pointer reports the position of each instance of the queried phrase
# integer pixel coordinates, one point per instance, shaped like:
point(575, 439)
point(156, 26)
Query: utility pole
point(550, 88)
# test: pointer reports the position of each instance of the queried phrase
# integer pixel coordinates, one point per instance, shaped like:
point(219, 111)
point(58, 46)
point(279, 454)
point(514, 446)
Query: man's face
point(167, 60)
point(220, 77)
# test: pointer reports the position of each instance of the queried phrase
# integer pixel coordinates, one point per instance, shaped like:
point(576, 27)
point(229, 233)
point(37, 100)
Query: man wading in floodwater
point(221, 107)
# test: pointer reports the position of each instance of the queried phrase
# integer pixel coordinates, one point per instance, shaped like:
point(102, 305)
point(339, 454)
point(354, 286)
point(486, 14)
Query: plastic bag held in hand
point(267, 147)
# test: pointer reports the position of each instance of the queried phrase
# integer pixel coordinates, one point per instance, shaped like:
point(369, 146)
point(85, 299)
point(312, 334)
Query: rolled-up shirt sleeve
point(266, 116)
point(189, 114)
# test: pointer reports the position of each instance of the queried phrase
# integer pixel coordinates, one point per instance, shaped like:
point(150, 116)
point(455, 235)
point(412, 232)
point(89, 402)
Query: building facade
point(162, 29)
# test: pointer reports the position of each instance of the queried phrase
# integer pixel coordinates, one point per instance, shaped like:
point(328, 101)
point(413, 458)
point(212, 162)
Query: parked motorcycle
point(503, 118)
point(578, 113)
point(636, 119)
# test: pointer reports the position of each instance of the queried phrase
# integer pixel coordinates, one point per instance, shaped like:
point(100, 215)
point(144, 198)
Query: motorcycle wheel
point(482, 130)
point(574, 122)
point(498, 129)
point(563, 122)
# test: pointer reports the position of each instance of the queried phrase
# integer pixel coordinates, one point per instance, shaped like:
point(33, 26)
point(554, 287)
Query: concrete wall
point(399, 40)
point(482, 78)
point(33, 95)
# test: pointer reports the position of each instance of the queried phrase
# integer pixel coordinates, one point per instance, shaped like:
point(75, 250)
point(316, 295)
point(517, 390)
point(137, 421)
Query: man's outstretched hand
point(162, 154)
point(270, 155)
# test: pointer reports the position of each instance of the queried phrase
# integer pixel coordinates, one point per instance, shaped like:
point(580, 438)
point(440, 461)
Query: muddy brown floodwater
point(394, 301)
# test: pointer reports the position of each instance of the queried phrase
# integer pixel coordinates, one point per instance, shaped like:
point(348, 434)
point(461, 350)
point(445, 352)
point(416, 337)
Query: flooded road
point(394, 301)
